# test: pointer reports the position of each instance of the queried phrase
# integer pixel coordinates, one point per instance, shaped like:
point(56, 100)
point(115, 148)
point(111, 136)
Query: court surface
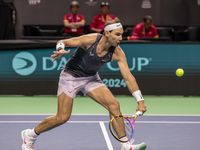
point(89, 130)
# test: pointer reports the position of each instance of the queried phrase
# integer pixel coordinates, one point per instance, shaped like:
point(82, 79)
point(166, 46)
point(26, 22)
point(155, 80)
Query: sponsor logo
point(91, 3)
point(146, 4)
point(198, 2)
point(137, 64)
point(48, 65)
point(24, 63)
point(25, 140)
point(34, 2)
point(91, 54)
point(140, 96)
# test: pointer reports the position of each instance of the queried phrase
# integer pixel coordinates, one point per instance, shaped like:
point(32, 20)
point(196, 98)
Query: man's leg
point(63, 114)
point(103, 96)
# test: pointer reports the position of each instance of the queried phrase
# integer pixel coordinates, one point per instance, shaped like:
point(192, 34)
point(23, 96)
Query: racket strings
point(128, 128)
point(120, 128)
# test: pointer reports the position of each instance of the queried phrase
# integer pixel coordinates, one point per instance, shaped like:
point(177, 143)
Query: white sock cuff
point(32, 133)
point(125, 138)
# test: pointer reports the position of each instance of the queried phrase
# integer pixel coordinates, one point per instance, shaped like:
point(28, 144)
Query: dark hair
point(116, 20)
point(105, 4)
point(147, 17)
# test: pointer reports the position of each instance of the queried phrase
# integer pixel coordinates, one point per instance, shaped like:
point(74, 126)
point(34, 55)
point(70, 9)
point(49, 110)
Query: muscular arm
point(84, 42)
point(129, 79)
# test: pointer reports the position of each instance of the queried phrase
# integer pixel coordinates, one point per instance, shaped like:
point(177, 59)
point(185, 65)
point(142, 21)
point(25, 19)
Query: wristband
point(138, 96)
point(60, 46)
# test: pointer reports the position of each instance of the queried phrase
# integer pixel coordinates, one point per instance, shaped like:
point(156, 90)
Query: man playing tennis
point(81, 74)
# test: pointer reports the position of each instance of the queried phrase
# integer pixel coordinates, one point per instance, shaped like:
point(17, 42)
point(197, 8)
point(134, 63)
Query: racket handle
point(139, 113)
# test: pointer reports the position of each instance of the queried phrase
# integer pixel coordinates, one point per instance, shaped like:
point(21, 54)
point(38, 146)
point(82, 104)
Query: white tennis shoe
point(128, 146)
point(28, 142)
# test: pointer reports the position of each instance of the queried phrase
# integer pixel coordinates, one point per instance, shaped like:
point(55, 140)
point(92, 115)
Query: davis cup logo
point(24, 63)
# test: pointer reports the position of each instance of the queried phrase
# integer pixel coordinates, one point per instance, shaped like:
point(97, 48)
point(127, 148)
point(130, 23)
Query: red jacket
point(74, 18)
point(99, 21)
point(138, 31)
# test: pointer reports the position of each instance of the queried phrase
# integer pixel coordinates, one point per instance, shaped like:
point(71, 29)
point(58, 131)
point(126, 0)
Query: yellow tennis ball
point(179, 72)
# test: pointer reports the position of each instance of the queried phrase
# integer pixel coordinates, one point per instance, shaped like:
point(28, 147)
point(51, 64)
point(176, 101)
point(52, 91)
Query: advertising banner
point(144, 60)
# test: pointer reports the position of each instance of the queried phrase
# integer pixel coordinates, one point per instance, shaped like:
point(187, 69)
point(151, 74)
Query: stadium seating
point(192, 33)
point(166, 32)
point(170, 33)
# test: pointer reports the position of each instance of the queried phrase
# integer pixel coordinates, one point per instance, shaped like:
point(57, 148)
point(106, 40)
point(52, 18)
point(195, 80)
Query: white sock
point(32, 133)
point(125, 138)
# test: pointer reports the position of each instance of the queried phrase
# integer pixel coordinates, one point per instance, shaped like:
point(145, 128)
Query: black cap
point(105, 4)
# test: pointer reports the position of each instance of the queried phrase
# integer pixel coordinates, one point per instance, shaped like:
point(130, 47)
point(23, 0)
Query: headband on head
point(113, 26)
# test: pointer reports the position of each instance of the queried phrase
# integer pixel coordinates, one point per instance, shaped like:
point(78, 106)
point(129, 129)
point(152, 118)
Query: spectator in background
point(98, 21)
point(74, 22)
point(146, 25)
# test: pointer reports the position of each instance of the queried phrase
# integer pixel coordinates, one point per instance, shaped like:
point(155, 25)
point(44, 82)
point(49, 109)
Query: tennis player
point(81, 74)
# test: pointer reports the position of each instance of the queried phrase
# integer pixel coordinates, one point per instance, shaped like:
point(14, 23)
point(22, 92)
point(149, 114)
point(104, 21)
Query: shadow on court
point(85, 132)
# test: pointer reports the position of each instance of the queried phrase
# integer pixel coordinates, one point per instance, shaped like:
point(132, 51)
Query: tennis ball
point(179, 72)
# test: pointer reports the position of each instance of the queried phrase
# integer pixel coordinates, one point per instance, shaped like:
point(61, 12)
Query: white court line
point(142, 122)
point(41, 120)
point(108, 142)
point(98, 115)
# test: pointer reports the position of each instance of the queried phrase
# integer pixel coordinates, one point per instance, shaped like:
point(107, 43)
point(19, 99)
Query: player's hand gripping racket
point(122, 127)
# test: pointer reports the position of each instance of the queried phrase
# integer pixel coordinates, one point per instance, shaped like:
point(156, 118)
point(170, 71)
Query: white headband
point(113, 26)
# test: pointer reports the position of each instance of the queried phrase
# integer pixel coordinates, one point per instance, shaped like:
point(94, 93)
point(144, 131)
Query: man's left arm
point(155, 33)
point(81, 23)
point(75, 25)
point(130, 80)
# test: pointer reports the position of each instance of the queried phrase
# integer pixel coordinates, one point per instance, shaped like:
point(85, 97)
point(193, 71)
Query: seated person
point(74, 22)
point(98, 21)
point(146, 25)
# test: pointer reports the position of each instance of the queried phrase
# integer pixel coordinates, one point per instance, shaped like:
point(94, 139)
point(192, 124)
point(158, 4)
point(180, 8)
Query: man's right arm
point(69, 25)
point(93, 25)
point(81, 41)
point(84, 42)
point(66, 22)
point(96, 30)
point(74, 25)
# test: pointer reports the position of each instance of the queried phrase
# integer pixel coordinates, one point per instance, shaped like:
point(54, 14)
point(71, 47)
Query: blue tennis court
point(89, 132)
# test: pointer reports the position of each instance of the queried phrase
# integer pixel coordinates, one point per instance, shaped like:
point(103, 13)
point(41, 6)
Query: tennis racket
point(125, 127)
